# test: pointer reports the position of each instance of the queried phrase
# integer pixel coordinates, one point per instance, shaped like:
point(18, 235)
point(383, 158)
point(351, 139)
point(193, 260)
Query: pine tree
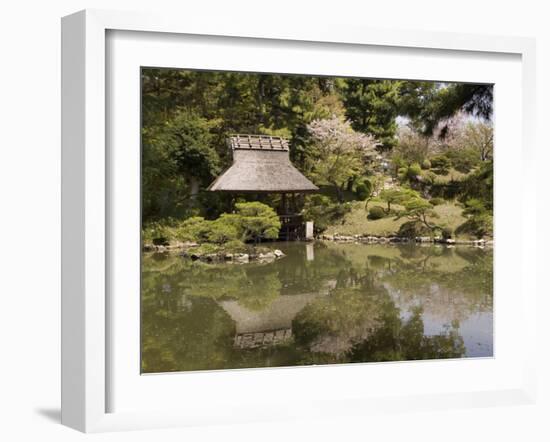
point(372, 106)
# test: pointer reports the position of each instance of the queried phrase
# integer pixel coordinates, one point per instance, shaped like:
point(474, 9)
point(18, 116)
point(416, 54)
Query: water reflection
point(321, 304)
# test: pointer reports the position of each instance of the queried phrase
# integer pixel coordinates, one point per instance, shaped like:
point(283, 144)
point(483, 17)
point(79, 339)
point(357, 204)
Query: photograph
point(298, 220)
point(275, 222)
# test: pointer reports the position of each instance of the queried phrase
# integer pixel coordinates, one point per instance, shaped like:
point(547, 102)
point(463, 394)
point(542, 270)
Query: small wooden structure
point(261, 164)
point(270, 326)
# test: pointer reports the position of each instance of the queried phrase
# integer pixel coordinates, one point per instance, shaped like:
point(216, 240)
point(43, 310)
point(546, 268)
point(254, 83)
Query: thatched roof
point(277, 316)
point(261, 164)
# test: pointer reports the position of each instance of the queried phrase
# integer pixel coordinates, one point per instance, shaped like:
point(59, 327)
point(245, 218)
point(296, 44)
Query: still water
point(323, 303)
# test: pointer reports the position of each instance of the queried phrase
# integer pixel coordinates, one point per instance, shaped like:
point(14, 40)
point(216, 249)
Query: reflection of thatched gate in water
point(271, 325)
point(261, 164)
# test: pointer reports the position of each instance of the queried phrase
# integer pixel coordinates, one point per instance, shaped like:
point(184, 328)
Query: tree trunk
point(339, 194)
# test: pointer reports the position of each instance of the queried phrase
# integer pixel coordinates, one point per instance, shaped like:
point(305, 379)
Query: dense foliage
point(252, 221)
point(338, 153)
point(357, 139)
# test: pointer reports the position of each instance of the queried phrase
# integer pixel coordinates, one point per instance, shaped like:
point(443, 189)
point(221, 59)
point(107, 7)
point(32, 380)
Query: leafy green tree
point(363, 190)
point(372, 106)
point(473, 99)
point(177, 159)
point(188, 136)
point(414, 97)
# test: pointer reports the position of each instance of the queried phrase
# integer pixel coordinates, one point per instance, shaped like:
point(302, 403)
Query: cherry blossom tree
point(339, 153)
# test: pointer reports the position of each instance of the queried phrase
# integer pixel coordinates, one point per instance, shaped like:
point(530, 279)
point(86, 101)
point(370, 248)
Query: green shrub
point(441, 164)
point(428, 177)
point(252, 222)
point(257, 221)
point(410, 173)
point(478, 226)
point(195, 228)
point(474, 207)
point(426, 164)
point(220, 231)
point(437, 201)
point(479, 185)
point(206, 249)
point(235, 246)
point(480, 219)
point(412, 229)
point(376, 212)
point(323, 211)
point(156, 233)
point(414, 170)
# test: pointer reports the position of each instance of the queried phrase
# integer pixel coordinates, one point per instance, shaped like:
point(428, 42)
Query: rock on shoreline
point(190, 250)
point(236, 258)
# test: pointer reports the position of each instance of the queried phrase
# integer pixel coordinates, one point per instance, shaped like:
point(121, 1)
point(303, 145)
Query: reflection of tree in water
point(219, 281)
point(450, 290)
point(336, 323)
point(404, 340)
point(363, 324)
point(372, 304)
point(195, 337)
point(302, 276)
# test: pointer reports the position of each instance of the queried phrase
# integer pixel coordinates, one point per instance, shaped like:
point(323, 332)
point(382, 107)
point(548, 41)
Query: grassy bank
point(356, 222)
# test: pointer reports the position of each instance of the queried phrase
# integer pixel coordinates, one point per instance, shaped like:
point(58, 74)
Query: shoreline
point(260, 254)
point(394, 239)
point(265, 253)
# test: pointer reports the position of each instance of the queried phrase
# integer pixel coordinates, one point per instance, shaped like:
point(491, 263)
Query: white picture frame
point(86, 207)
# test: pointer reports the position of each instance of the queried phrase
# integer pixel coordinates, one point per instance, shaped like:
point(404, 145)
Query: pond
point(323, 303)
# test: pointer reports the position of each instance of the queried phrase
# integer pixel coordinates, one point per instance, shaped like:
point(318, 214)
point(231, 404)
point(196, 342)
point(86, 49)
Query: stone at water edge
point(268, 256)
point(278, 253)
point(241, 257)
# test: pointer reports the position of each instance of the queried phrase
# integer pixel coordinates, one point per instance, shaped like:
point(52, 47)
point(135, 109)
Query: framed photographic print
point(291, 223)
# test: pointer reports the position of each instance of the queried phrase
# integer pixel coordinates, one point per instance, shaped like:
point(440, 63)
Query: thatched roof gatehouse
point(261, 164)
